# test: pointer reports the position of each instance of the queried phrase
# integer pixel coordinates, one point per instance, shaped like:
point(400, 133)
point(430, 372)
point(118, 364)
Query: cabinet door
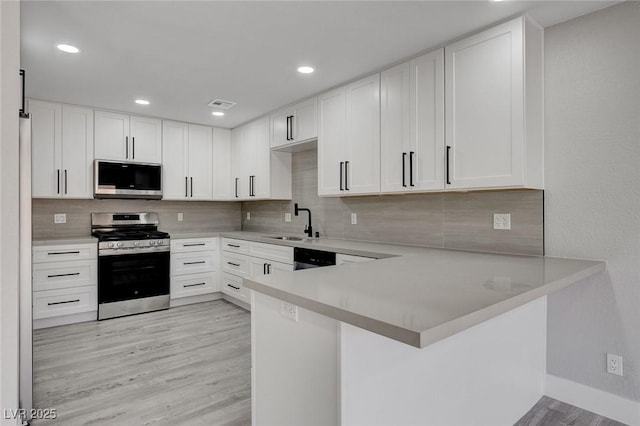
point(200, 157)
point(262, 160)
point(221, 164)
point(485, 110)
point(331, 142)
point(427, 152)
point(395, 128)
point(77, 152)
point(363, 136)
point(280, 133)
point(261, 267)
point(111, 136)
point(236, 164)
point(248, 139)
point(46, 152)
point(175, 165)
point(305, 121)
point(146, 140)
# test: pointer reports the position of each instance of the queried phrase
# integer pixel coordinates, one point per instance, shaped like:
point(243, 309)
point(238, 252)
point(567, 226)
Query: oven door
point(133, 276)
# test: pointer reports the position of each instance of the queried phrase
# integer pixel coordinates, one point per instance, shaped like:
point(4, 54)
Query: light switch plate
point(287, 217)
point(60, 218)
point(248, 215)
point(502, 221)
point(180, 217)
point(354, 218)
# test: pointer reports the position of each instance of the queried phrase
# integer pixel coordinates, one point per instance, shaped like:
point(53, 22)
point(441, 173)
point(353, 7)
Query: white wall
point(592, 197)
point(9, 105)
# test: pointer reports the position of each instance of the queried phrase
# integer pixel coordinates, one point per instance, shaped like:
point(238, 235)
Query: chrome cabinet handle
point(60, 303)
point(62, 252)
point(193, 285)
point(63, 275)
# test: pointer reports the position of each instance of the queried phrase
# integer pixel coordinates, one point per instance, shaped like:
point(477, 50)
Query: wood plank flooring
point(188, 365)
point(549, 411)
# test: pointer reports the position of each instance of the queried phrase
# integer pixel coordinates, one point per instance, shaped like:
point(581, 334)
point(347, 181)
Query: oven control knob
point(112, 245)
point(153, 243)
point(159, 242)
point(136, 243)
point(119, 244)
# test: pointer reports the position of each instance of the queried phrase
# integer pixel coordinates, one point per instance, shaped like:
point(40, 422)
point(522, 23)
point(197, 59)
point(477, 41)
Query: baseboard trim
point(600, 402)
point(64, 319)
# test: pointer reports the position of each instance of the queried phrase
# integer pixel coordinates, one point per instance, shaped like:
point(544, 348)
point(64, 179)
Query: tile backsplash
point(460, 220)
point(197, 216)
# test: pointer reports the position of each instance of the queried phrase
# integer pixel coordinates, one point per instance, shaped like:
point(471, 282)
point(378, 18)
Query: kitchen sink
point(286, 238)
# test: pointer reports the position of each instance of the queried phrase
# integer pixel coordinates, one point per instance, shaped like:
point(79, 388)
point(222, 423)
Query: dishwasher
point(306, 258)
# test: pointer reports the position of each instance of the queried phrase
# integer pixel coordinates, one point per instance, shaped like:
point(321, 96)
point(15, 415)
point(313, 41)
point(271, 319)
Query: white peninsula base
point(320, 371)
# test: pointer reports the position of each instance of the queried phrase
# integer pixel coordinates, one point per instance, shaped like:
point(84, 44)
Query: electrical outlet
point(502, 221)
point(287, 217)
point(354, 218)
point(290, 311)
point(614, 364)
point(180, 217)
point(60, 218)
point(248, 215)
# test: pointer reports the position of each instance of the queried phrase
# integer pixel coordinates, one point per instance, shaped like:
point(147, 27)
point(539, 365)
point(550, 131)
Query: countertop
point(55, 241)
point(419, 295)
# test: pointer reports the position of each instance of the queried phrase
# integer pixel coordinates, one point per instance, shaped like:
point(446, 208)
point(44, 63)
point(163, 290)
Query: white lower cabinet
point(241, 259)
point(194, 268)
point(64, 284)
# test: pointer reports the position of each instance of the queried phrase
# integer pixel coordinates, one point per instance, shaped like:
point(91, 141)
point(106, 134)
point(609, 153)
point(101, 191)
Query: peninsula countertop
point(415, 295)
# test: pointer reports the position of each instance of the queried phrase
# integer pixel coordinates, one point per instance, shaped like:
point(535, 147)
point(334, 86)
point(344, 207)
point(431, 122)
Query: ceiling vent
point(220, 103)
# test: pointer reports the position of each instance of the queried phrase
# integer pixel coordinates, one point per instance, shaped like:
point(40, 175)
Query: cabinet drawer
point(56, 275)
point(193, 284)
point(192, 263)
point(53, 303)
point(194, 244)
point(265, 267)
point(238, 246)
point(274, 252)
point(232, 286)
point(65, 252)
point(236, 264)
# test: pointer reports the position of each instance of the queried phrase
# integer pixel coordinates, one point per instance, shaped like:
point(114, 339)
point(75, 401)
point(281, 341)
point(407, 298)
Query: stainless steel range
point(133, 264)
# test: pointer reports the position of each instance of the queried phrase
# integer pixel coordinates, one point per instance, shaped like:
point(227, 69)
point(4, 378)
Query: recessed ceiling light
point(142, 102)
point(217, 113)
point(305, 70)
point(68, 48)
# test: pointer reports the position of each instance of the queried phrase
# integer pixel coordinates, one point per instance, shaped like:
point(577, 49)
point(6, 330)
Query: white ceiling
point(181, 55)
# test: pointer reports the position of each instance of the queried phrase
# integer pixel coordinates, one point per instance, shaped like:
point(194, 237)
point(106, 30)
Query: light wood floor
point(188, 365)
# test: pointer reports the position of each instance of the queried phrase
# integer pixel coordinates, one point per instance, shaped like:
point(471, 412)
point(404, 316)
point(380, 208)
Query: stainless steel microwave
point(121, 179)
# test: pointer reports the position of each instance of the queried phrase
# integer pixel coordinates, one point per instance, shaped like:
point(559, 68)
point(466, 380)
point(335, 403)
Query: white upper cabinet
point(146, 139)
point(62, 153)
point(295, 124)
point(221, 164)
point(412, 125)
point(494, 90)
point(188, 155)
point(200, 162)
point(175, 151)
point(349, 139)
point(257, 172)
point(122, 137)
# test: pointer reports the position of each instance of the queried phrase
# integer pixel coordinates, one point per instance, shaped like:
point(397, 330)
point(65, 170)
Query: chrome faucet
point(307, 229)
